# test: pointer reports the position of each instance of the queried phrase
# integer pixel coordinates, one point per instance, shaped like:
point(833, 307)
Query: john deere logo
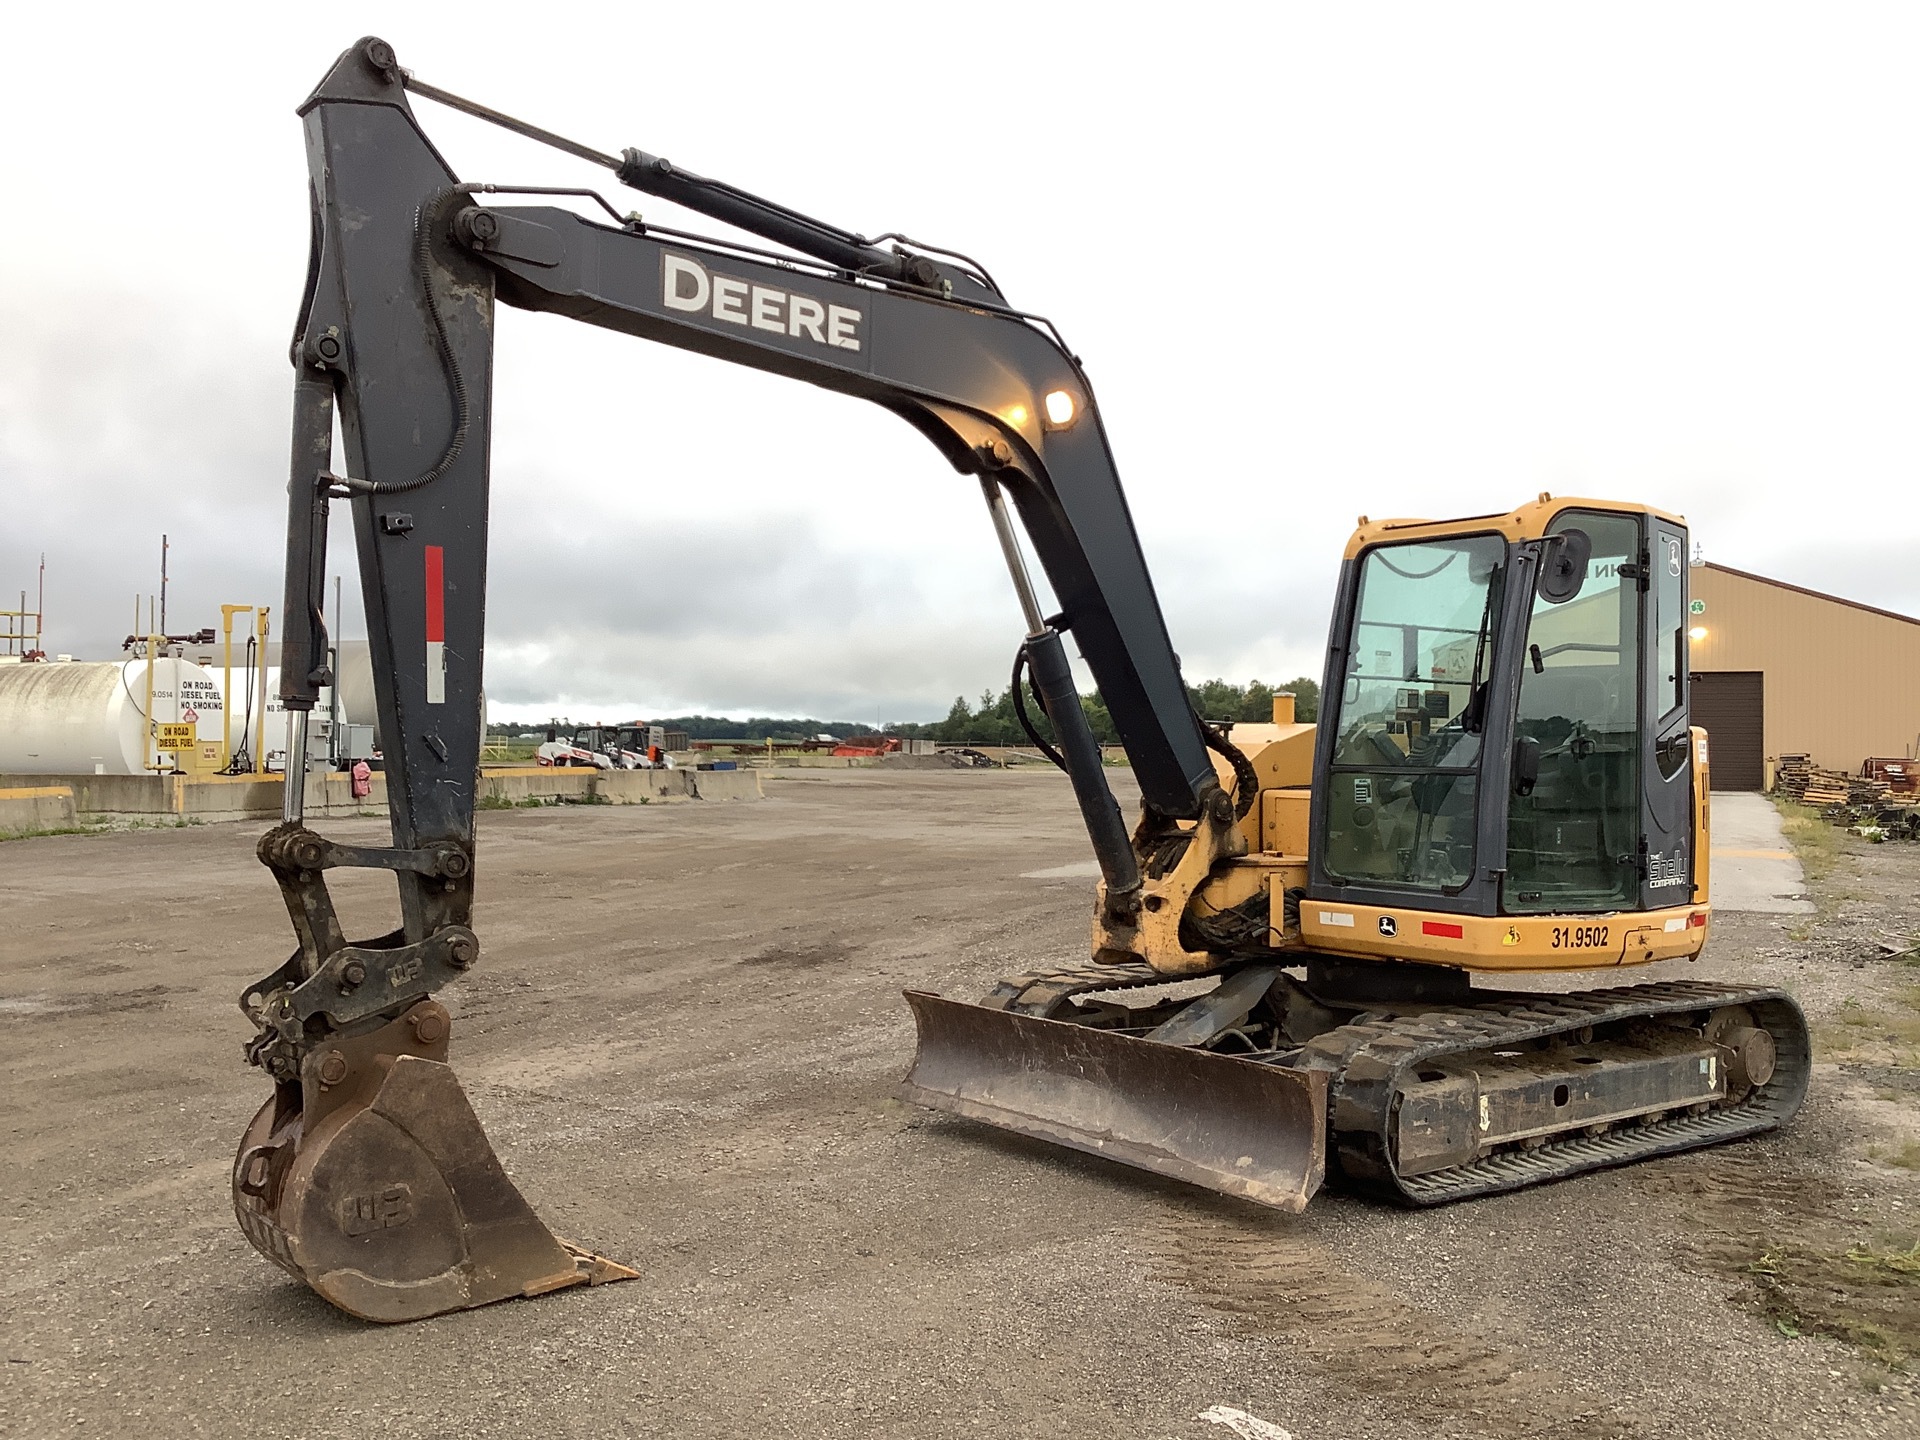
point(1388, 926)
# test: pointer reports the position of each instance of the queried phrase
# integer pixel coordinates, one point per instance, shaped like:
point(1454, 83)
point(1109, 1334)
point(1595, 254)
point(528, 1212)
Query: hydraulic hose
point(1022, 680)
point(1112, 846)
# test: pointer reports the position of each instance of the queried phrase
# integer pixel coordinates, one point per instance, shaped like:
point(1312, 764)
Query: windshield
point(1412, 713)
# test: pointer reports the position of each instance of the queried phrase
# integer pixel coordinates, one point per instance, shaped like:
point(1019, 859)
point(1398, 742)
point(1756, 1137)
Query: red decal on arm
point(436, 594)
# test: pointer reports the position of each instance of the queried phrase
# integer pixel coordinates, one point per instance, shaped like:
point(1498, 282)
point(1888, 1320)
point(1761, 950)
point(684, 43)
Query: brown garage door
point(1728, 705)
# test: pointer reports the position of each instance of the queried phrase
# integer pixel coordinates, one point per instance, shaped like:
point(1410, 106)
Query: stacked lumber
point(1810, 785)
point(1791, 776)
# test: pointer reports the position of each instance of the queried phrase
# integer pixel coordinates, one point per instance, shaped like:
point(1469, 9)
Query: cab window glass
point(1409, 730)
point(1573, 830)
point(1670, 621)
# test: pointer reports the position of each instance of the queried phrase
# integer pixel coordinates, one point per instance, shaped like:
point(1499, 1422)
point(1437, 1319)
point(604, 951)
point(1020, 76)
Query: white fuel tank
point(246, 716)
point(62, 718)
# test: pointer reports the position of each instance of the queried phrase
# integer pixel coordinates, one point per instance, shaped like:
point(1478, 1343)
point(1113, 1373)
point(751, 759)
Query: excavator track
point(1372, 1059)
point(1422, 1106)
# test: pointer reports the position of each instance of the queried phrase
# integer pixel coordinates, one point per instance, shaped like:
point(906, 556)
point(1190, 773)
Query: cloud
point(123, 417)
point(1415, 306)
point(731, 615)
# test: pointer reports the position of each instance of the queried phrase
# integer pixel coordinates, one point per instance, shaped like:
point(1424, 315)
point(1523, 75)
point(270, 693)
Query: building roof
point(1816, 594)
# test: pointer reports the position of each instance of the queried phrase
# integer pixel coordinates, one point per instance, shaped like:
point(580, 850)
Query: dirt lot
point(684, 1040)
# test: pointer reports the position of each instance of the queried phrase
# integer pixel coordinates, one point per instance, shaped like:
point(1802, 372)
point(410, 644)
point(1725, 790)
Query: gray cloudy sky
point(1320, 260)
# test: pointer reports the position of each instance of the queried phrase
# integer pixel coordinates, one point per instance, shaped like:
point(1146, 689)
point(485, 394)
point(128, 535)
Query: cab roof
point(1528, 522)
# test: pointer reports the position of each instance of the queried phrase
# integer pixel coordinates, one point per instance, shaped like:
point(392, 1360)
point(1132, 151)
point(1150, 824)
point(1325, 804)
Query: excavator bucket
point(1246, 1129)
point(372, 1181)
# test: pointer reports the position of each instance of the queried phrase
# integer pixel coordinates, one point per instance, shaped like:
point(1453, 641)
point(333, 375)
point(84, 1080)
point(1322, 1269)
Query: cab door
point(1575, 808)
point(1667, 765)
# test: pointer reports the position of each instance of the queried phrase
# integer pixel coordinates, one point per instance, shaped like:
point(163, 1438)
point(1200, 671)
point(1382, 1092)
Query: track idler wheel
point(372, 1181)
point(1749, 1050)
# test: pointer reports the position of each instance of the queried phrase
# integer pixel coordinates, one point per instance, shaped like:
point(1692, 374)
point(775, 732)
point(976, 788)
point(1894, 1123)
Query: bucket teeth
point(1252, 1130)
point(381, 1191)
point(597, 1269)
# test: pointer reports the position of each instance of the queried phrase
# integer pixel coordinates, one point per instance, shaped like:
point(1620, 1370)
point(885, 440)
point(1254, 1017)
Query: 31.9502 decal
point(1580, 937)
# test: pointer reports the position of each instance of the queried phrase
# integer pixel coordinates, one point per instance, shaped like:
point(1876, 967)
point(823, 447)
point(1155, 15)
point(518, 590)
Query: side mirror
point(1563, 569)
point(1526, 765)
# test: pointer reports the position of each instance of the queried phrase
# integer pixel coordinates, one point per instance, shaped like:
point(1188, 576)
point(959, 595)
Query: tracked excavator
point(1295, 953)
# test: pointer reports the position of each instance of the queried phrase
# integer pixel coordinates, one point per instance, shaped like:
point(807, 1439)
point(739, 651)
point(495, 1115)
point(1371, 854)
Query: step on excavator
point(1280, 984)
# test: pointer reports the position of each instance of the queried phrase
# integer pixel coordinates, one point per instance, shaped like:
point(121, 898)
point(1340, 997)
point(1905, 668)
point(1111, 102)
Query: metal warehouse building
point(1779, 670)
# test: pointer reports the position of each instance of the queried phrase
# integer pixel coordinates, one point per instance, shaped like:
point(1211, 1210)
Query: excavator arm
point(397, 328)
point(396, 336)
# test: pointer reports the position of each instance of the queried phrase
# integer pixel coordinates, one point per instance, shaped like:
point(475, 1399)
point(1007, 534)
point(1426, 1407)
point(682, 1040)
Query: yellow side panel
point(1511, 942)
point(1283, 821)
point(1282, 758)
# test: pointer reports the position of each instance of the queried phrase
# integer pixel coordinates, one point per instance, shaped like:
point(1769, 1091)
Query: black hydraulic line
point(507, 122)
point(965, 259)
point(1022, 678)
point(1112, 846)
point(580, 191)
point(1246, 781)
point(430, 216)
point(656, 175)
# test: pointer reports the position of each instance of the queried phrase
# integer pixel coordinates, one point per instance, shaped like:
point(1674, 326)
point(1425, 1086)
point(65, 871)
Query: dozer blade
point(1257, 1131)
point(373, 1182)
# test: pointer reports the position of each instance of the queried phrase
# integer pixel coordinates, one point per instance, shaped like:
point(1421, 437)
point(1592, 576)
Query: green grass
point(1866, 1295)
point(510, 751)
point(1887, 1262)
point(54, 830)
point(501, 802)
point(103, 827)
point(1904, 1157)
point(1815, 841)
point(1887, 1035)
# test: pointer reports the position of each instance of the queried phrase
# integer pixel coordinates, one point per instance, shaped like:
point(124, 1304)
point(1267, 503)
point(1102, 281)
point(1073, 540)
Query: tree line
point(992, 721)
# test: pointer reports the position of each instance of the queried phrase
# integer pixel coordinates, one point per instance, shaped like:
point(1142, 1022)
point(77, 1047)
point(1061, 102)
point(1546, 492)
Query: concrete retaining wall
point(725, 784)
point(640, 787)
point(35, 807)
point(519, 784)
point(106, 794)
point(254, 797)
point(204, 797)
point(618, 787)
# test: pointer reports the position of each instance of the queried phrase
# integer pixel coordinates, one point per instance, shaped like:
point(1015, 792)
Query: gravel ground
point(684, 1040)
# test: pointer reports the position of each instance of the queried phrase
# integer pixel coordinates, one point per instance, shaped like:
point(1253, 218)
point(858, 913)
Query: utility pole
point(163, 584)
